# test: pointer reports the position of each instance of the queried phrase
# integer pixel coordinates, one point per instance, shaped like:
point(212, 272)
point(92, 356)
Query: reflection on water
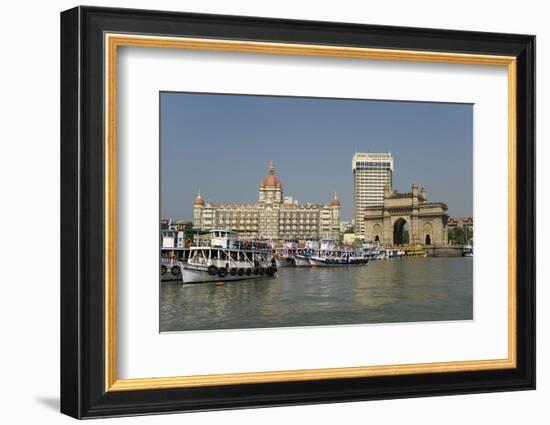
point(399, 290)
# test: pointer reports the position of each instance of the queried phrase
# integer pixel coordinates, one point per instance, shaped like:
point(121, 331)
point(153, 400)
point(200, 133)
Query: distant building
point(465, 223)
point(426, 221)
point(372, 172)
point(455, 222)
point(345, 226)
point(349, 238)
point(182, 225)
point(273, 216)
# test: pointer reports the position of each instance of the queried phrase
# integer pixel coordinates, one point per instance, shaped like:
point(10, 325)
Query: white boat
point(312, 244)
point(302, 260)
point(284, 261)
point(284, 254)
point(225, 258)
point(172, 252)
point(335, 259)
point(331, 255)
point(468, 251)
point(170, 268)
point(371, 250)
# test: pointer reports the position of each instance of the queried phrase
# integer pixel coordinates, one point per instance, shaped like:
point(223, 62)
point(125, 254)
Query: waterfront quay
point(403, 289)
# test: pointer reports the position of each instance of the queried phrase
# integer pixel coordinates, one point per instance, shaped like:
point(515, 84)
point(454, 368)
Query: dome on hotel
point(271, 180)
point(335, 202)
point(198, 200)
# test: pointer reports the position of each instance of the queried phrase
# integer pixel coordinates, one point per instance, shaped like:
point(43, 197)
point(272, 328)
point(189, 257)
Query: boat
point(172, 252)
point(372, 251)
point(331, 255)
point(414, 250)
point(468, 251)
point(284, 254)
point(311, 246)
point(170, 269)
point(339, 258)
point(223, 257)
point(284, 261)
point(301, 260)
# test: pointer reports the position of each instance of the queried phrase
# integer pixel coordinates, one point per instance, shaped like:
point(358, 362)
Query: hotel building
point(372, 172)
point(273, 216)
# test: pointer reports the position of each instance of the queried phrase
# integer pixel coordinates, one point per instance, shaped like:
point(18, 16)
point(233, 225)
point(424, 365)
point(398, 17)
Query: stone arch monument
point(426, 221)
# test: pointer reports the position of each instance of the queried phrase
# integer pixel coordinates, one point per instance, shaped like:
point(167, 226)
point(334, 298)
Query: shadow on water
point(399, 290)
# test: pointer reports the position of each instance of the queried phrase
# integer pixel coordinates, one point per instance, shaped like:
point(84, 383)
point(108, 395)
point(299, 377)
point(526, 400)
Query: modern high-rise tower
point(372, 172)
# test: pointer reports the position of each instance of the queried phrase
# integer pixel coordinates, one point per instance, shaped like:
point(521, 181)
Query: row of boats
point(327, 253)
point(223, 257)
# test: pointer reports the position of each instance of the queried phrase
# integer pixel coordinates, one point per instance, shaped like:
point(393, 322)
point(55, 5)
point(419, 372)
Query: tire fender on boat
point(175, 270)
point(248, 272)
point(233, 271)
point(222, 272)
point(241, 271)
point(163, 269)
point(212, 270)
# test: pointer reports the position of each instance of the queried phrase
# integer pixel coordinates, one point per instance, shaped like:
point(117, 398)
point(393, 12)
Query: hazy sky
point(222, 145)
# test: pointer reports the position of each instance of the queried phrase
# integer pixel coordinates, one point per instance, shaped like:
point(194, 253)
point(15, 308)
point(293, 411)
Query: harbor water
point(384, 291)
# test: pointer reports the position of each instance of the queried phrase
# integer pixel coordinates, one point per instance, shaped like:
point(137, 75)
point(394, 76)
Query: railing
point(169, 261)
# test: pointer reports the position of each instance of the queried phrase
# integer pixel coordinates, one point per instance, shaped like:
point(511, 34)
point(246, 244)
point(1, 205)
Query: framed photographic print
point(261, 212)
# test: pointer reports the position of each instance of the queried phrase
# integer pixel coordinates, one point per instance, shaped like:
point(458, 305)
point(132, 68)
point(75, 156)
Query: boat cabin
point(171, 238)
point(223, 238)
point(328, 244)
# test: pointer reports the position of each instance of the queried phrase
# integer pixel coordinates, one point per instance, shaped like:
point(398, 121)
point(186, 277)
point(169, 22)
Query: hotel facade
point(372, 173)
point(272, 217)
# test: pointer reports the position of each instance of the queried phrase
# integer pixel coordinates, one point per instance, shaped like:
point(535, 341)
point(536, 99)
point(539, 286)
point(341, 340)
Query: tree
point(457, 236)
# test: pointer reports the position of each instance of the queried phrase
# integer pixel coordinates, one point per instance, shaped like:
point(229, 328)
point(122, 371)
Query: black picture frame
point(83, 392)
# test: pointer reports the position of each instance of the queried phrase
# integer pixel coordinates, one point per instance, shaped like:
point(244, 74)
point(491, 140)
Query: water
point(386, 291)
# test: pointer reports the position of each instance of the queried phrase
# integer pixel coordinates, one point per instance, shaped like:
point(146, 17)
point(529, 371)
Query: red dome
point(271, 180)
point(198, 200)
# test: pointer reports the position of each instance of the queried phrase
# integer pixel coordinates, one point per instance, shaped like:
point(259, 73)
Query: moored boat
point(333, 260)
point(302, 260)
point(284, 254)
point(225, 258)
point(284, 261)
point(331, 254)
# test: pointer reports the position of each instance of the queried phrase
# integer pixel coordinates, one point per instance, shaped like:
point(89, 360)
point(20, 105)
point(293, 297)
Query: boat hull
point(321, 262)
point(172, 272)
point(301, 262)
point(199, 274)
point(284, 262)
point(169, 277)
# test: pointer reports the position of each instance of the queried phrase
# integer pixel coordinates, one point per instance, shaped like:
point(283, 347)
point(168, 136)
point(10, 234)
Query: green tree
point(457, 236)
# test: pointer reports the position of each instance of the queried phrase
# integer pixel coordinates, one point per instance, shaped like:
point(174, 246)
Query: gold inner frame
point(113, 41)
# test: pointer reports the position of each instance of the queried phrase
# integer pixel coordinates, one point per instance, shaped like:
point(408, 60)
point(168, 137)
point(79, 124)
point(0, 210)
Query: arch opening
point(428, 240)
point(400, 232)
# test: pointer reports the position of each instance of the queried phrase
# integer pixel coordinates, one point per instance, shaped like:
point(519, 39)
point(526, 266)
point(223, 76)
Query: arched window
point(428, 230)
point(377, 231)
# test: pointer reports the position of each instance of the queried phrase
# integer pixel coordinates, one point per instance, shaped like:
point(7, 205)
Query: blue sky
point(222, 145)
